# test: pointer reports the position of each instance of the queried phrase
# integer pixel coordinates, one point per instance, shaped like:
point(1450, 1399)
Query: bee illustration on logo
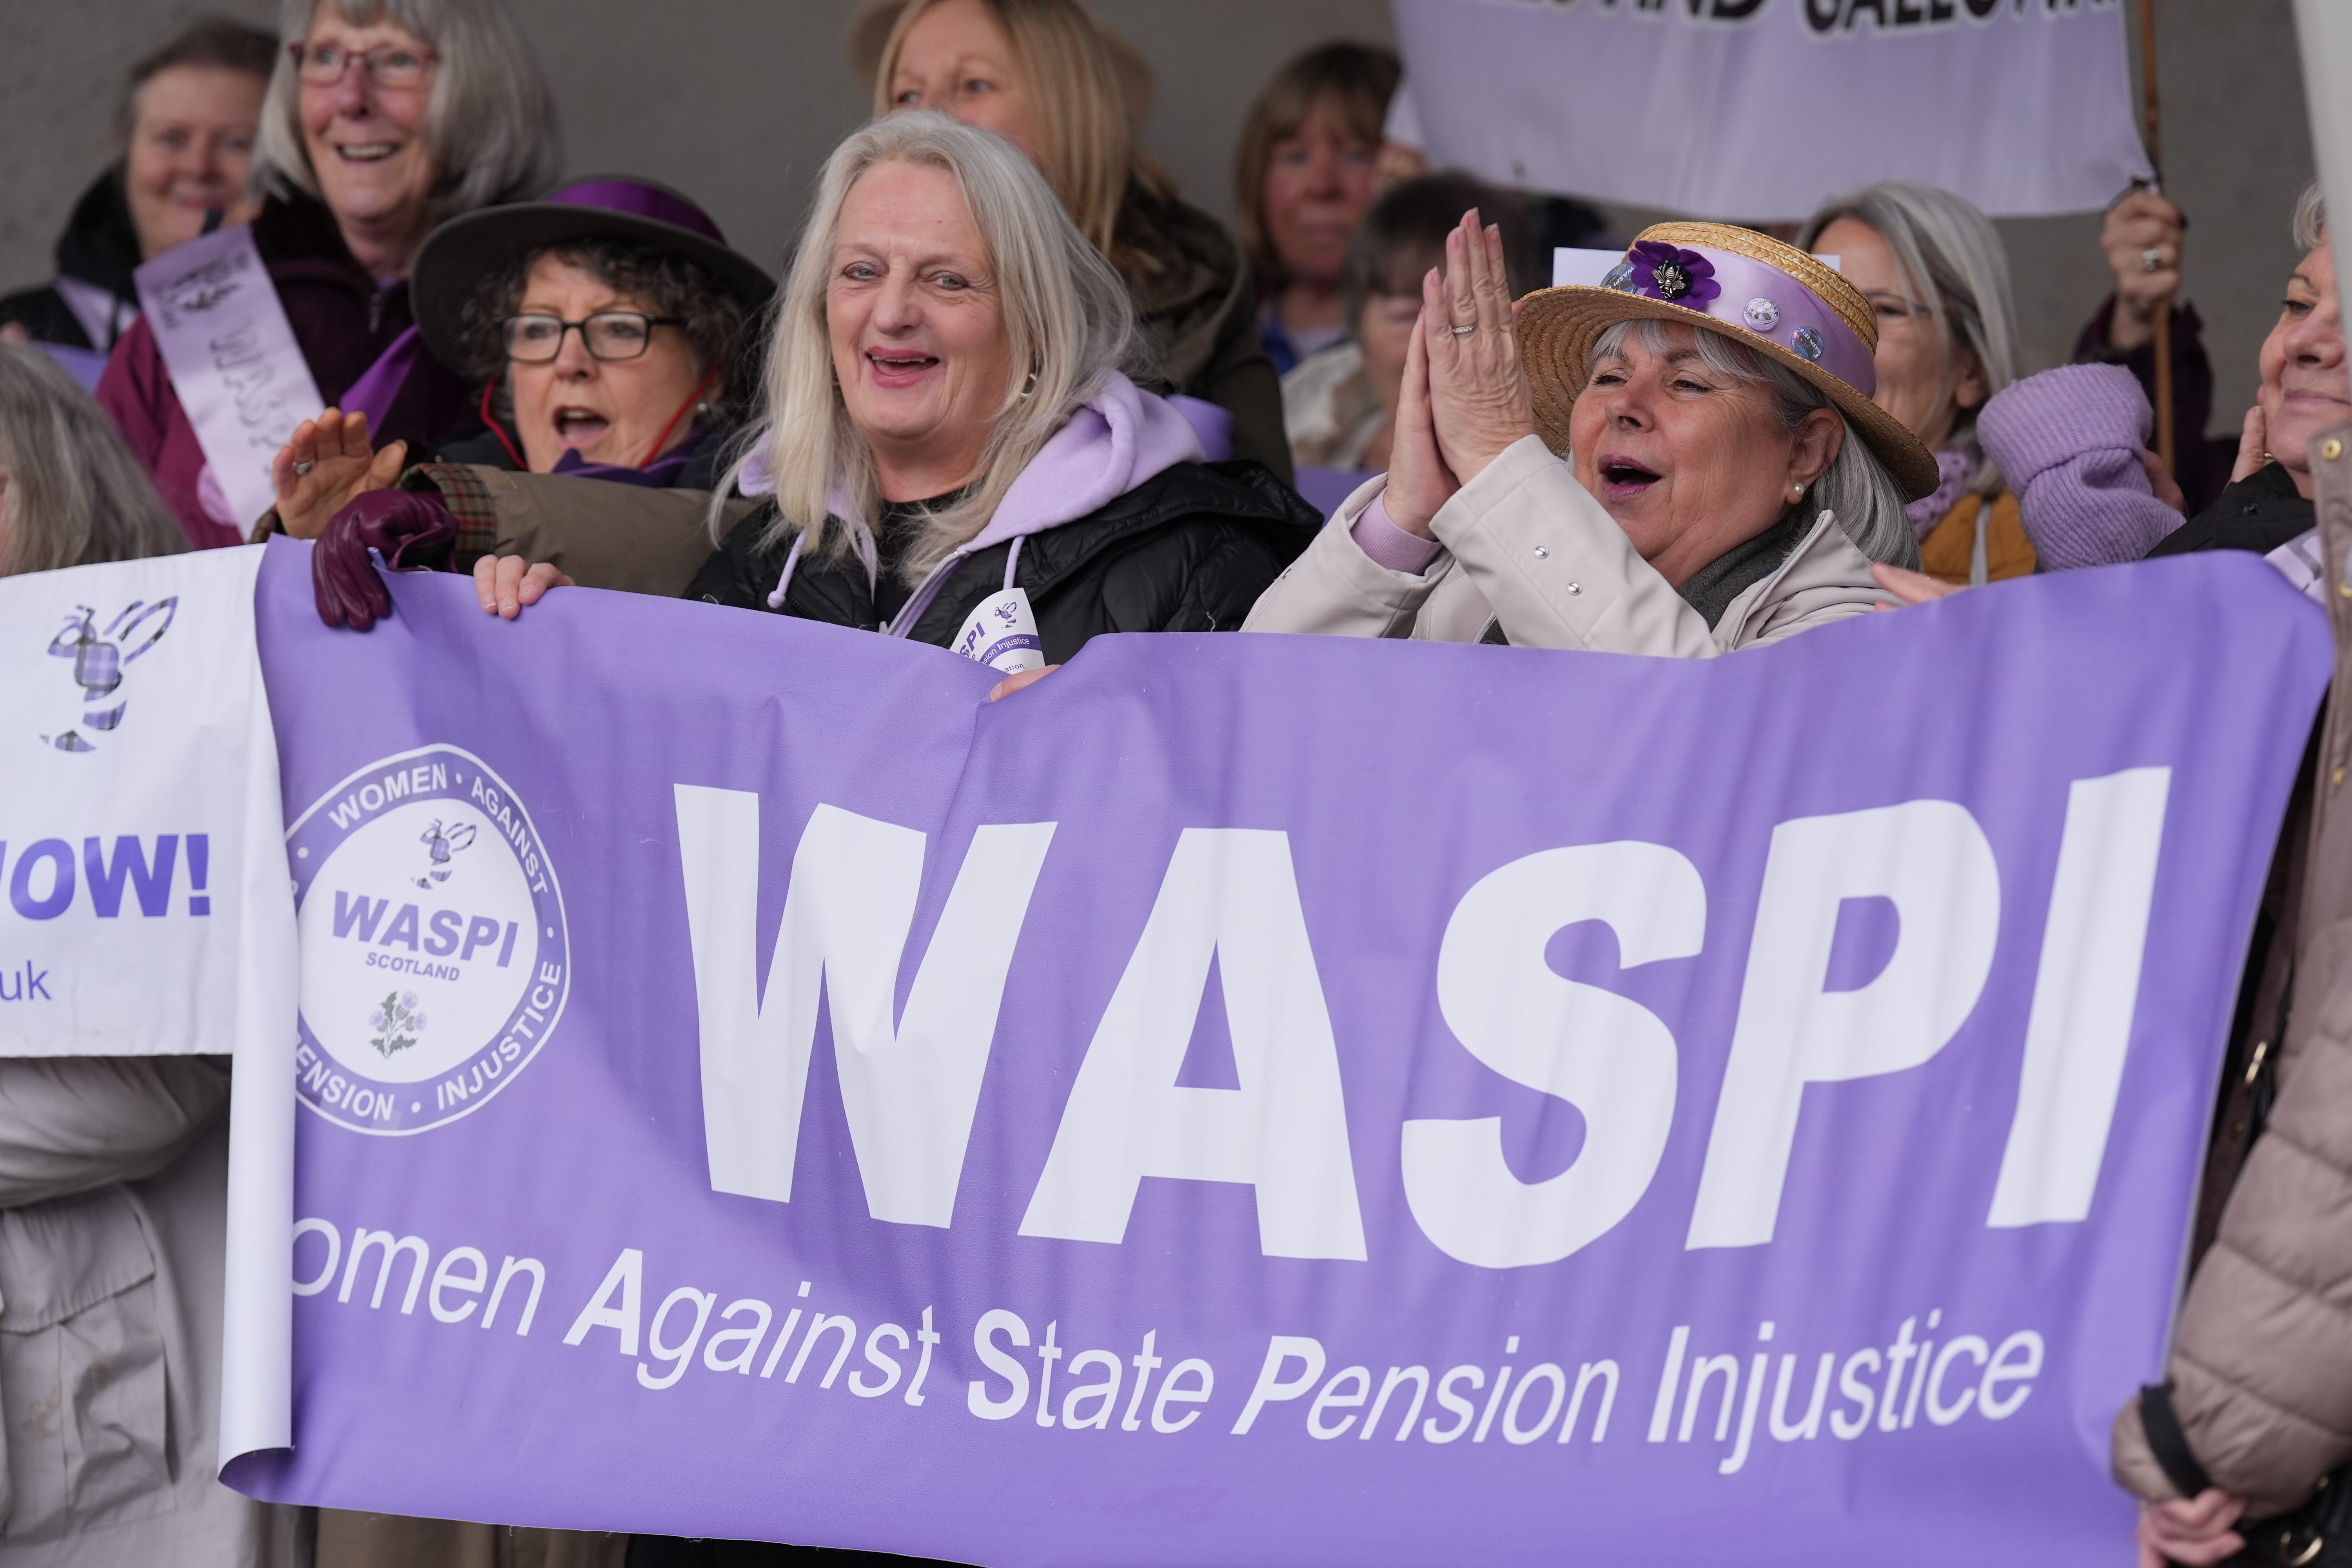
point(100, 659)
point(441, 845)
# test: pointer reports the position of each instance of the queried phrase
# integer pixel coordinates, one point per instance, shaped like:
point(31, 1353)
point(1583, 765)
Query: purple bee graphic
point(99, 660)
point(441, 845)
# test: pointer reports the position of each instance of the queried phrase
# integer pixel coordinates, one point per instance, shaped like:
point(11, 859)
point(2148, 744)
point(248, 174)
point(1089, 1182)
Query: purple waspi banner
point(1263, 1100)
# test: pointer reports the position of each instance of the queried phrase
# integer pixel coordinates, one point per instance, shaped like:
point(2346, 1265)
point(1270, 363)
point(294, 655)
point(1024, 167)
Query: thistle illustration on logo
point(441, 845)
point(396, 1022)
point(100, 659)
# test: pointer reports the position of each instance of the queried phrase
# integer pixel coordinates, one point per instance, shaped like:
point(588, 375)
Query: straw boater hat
point(1754, 289)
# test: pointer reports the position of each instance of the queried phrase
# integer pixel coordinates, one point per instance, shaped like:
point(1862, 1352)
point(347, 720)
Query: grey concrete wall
point(737, 101)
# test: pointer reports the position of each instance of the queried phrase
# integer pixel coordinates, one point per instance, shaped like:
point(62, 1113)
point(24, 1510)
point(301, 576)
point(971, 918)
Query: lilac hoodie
point(1118, 437)
point(2069, 442)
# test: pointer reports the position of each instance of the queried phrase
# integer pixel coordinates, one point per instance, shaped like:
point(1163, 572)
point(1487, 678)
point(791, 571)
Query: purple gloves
point(2068, 441)
point(411, 529)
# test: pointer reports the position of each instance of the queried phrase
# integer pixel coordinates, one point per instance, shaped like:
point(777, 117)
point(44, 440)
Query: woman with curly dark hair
point(606, 331)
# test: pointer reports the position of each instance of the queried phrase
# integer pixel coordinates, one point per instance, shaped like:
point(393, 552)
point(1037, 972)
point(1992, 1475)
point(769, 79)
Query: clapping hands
point(1464, 396)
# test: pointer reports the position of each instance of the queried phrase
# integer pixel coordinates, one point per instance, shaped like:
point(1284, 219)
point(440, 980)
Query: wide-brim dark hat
point(1746, 286)
point(463, 251)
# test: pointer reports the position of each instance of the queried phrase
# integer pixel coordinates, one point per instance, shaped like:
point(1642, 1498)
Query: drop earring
point(1029, 386)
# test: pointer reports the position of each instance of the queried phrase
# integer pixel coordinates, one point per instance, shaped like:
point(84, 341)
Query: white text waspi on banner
point(1762, 108)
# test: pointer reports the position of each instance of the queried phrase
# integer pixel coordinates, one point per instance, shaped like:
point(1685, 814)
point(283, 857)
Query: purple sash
point(233, 360)
point(374, 392)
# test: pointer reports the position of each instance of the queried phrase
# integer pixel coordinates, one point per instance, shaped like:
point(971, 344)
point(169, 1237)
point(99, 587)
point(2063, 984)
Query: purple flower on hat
point(1670, 273)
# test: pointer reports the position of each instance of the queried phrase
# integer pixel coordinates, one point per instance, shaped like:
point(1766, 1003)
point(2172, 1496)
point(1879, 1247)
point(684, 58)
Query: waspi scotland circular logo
point(435, 955)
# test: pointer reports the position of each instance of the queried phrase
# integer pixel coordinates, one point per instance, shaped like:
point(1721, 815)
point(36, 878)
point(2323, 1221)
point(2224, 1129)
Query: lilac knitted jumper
point(2069, 443)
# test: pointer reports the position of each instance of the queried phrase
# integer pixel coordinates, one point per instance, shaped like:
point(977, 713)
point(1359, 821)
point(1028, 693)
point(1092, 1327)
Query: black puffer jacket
point(100, 248)
point(1187, 550)
point(2259, 512)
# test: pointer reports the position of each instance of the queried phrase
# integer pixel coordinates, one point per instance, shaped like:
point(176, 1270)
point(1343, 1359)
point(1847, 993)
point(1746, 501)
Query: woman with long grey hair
point(952, 446)
point(70, 493)
point(113, 1169)
point(384, 117)
point(1683, 462)
point(1937, 278)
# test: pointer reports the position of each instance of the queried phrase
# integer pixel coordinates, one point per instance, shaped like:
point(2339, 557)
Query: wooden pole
point(2152, 132)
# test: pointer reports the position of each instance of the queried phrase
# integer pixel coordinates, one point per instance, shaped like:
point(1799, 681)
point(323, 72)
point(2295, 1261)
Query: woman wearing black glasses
point(604, 328)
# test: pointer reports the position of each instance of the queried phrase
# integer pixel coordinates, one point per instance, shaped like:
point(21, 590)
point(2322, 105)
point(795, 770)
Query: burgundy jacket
point(343, 323)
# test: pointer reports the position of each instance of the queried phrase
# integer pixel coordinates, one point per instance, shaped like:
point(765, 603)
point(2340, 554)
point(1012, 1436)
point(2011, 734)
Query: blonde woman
point(950, 419)
point(1043, 75)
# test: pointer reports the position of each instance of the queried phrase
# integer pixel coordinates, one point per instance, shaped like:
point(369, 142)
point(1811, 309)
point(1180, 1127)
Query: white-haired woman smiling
point(1727, 479)
point(1937, 277)
point(384, 117)
point(951, 436)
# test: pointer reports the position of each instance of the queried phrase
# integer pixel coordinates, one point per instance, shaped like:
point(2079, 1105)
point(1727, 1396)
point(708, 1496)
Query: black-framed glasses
point(395, 66)
point(608, 334)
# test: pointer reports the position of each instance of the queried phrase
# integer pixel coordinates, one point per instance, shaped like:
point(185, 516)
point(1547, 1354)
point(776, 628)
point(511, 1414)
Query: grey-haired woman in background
point(1937, 278)
point(70, 493)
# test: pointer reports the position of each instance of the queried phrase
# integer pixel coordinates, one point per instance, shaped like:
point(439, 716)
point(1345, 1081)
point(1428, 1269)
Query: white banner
point(1760, 110)
point(143, 871)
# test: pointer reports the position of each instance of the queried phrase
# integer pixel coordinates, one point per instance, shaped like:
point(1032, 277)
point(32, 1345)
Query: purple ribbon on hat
point(640, 199)
point(1752, 295)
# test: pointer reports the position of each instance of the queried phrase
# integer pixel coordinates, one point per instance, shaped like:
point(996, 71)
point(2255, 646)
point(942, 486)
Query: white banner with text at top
point(144, 905)
point(1760, 109)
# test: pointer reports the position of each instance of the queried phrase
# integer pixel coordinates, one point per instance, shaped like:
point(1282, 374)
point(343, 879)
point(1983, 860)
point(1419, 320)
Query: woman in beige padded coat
point(1727, 479)
point(113, 1169)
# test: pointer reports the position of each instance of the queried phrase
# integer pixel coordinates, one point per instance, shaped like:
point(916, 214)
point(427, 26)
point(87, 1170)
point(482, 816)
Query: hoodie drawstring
point(776, 599)
point(793, 559)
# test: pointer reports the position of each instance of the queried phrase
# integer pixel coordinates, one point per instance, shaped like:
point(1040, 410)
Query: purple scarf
point(659, 475)
point(1954, 469)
